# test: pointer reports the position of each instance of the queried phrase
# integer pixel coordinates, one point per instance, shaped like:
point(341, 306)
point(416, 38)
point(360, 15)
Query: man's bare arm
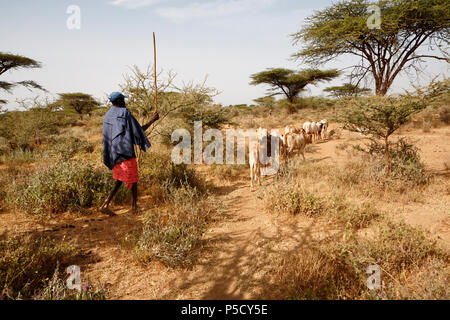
point(152, 120)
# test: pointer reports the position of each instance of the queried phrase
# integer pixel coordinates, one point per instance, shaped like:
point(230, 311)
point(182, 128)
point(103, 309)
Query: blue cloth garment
point(121, 131)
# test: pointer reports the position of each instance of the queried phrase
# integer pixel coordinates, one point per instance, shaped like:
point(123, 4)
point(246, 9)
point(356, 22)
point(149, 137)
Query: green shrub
point(3, 189)
point(364, 174)
point(66, 148)
point(444, 114)
point(399, 245)
point(293, 199)
point(429, 281)
point(4, 148)
point(166, 129)
point(27, 261)
point(380, 116)
point(19, 157)
point(6, 176)
point(65, 185)
point(226, 172)
point(172, 234)
point(351, 215)
point(395, 247)
point(23, 129)
point(405, 161)
point(157, 167)
point(211, 116)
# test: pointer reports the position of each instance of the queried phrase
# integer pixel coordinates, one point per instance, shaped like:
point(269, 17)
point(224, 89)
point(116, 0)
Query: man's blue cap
point(116, 95)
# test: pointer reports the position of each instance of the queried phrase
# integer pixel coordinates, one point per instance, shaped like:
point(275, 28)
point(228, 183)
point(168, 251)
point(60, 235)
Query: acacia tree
point(380, 116)
point(81, 103)
point(347, 90)
point(9, 62)
point(290, 83)
point(411, 31)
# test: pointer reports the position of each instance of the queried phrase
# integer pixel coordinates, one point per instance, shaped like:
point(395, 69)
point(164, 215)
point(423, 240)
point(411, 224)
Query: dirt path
point(238, 252)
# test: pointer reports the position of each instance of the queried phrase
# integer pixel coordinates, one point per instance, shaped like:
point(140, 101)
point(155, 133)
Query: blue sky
point(226, 40)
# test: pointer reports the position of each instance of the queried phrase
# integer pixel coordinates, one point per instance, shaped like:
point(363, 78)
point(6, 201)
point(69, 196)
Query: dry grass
point(411, 268)
point(348, 198)
point(227, 172)
point(295, 198)
point(26, 262)
point(172, 233)
point(310, 275)
point(66, 185)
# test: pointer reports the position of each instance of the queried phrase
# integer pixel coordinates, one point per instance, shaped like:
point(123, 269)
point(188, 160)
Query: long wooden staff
point(156, 88)
point(156, 85)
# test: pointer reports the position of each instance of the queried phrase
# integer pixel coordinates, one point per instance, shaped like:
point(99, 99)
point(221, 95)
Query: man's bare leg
point(134, 191)
point(105, 206)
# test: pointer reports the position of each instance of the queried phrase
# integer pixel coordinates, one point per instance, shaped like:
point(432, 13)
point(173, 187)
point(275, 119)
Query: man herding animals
point(121, 131)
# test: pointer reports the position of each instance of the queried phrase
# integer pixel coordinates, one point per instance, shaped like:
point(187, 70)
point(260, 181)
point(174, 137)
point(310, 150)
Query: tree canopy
point(81, 103)
point(411, 31)
point(379, 117)
point(13, 62)
point(289, 82)
point(347, 90)
point(265, 101)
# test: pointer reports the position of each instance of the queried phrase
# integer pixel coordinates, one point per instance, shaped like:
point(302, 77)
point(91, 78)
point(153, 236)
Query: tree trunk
point(382, 87)
point(382, 90)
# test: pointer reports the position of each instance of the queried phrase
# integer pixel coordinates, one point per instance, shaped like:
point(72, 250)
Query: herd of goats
point(293, 139)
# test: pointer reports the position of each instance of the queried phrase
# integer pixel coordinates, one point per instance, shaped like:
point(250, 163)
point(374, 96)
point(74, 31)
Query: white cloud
point(211, 10)
point(133, 4)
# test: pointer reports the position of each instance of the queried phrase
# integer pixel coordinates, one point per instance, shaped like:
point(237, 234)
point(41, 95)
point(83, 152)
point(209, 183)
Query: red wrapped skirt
point(127, 172)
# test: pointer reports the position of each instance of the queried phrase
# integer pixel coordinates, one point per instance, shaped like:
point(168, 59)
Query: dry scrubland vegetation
point(347, 199)
point(51, 166)
point(308, 233)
